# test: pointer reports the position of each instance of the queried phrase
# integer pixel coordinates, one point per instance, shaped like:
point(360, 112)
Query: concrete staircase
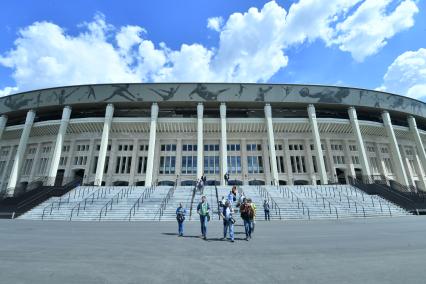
point(134, 203)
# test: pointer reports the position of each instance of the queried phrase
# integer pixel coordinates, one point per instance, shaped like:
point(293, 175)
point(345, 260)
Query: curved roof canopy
point(210, 92)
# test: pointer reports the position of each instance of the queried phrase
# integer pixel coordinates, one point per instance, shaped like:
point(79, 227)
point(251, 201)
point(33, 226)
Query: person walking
point(253, 220)
point(246, 214)
point(180, 217)
point(266, 209)
point(203, 209)
point(228, 221)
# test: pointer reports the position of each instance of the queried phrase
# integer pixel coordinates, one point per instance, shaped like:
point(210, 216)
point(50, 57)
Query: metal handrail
point(101, 191)
point(328, 201)
point(192, 202)
point(123, 192)
point(145, 194)
point(164, 203)
point(300, 203)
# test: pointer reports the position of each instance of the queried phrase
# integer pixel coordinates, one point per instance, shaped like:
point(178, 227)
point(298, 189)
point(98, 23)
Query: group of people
point(246, 208)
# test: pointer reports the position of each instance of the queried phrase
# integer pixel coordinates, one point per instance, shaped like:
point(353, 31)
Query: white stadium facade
point(172, 133)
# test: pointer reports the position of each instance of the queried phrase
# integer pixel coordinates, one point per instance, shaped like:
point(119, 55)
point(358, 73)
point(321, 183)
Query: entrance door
point(341, 177)
point(79, 174)
point(59, 177)
point(358, 174)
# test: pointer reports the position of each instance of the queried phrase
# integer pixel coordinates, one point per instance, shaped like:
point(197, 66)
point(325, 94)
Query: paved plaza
point(383, 250)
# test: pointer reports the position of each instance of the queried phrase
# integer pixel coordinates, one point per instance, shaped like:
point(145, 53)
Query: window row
point(82, 147)
point(211, 147)
point(336, 147)
point(339, 160)
point(254, 147)
point(189, 147)
point(168, 148)
point(295, 147)
point(125, 147)
point(233, 147)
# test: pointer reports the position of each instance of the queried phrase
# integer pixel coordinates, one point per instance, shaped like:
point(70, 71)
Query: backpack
point(266, 206)
point(180, 217)
point(247, 211)
point(250, 211)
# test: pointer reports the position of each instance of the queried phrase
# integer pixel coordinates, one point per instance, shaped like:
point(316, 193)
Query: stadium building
point(172, 133)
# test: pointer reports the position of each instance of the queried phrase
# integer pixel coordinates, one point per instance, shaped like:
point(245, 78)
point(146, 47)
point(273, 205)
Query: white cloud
point(407, 75)
point(8, 90)
point(367, 30)
point(215, 23)
point(309, 20)
point(251, 45)
point(45, 56)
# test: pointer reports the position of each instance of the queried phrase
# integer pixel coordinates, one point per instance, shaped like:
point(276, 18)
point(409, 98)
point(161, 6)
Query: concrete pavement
point(388, 250)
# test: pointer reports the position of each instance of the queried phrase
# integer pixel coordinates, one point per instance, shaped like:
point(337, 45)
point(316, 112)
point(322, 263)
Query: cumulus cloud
point(215, 23)
point(251, 47)
point(407, 75)
point(367, 30)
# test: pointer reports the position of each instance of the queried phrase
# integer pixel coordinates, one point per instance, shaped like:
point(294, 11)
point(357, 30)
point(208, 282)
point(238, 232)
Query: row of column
point(395, 151)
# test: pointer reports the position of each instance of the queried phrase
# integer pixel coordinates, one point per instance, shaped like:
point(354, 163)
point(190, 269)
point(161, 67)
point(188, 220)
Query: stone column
point(419, 145)
point(359, 142)
point(134, 163)
point(57, 150)
point(267, 167)
point(317, 144)
point(287, 160)
point(3, 121)
point(330, 160)
point(348, 156)
point(380, 160)
point(151, 147)
point(396, 154)
point(104, 145)
point(90, 159)
point(244, 163)
point(271, 142)
point(178, 166)
point(35, 160)
point(420, 172)
point(200, 145)
point(406, 163)
point(223, 144)
point(17, 164)
point(310, 162)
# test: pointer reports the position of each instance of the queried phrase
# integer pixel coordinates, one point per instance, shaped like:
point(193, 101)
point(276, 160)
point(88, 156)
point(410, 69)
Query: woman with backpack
point(228, 220)
point(180, 217)
point(247, 215)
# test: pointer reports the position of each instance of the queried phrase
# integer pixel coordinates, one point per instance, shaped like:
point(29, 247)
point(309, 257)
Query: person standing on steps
point(228, 221)
point(180, 217)
point(226, 177)
point(203, 209)
point(266, 209)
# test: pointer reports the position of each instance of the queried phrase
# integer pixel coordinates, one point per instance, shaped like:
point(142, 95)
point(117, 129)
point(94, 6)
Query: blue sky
point(375, 44)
